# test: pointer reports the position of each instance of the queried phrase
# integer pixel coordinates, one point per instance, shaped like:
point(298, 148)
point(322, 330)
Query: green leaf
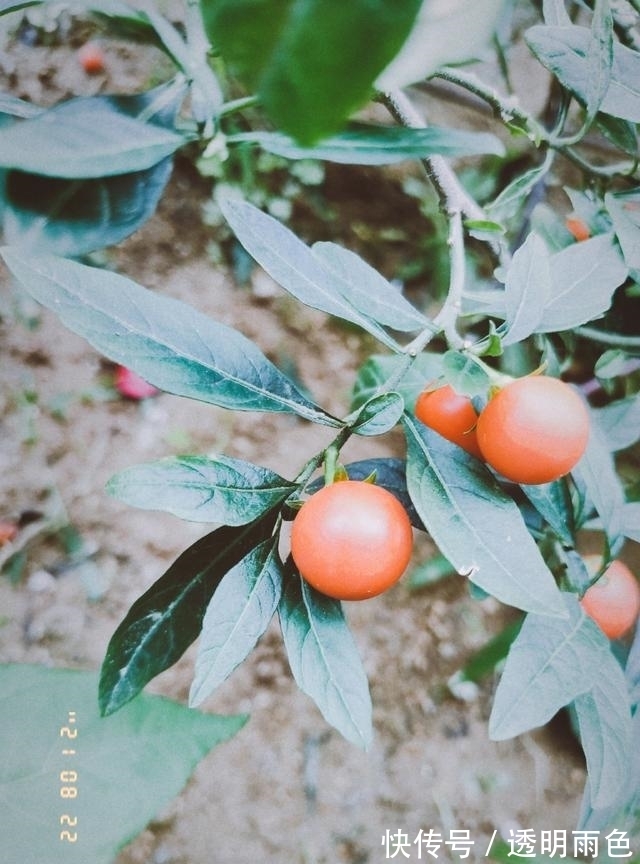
point(475, 524)
point(369, 292)
point(14, 5)
point(15, 107)
point(630, 519)
point(305, 56)
point(484, 661)
point(619, 422)
point(624, 209)
point(127, 767)
point(623, 813)
point(465, 373)
point(513, 196)
point(553, 503)
point(444, 34)
point(553, 663)
point(73, 218)
point(202, 488)
point(527, 289)
point(85, 137)
point(584, 277)
point(604, 721)
point(362, 144)
point(294, 266)
point(565, 52)
point(168, 343)
point(324, 659)
point(379, 415)
point(162, 623)
point(599, 59)
point(597, 471)
point(239, 612)
point(379, 368)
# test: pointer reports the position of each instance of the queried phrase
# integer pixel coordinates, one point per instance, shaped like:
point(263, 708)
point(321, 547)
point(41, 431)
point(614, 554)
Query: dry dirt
point(286, 788)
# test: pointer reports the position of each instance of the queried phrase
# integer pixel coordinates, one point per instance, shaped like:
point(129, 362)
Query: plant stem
point(450, 192)
point(617, 339)
point(316, 461)
point(238, 105)
point(505, 107)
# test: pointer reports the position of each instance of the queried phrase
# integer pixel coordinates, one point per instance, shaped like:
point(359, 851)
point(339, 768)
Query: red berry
point(91, 57)
point(132, 386)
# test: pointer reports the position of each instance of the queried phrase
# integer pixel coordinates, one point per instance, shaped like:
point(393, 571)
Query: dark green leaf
point(162, 623)
point(324, 659)
point(484, 661)
point(362, 144)
point(306, 57)
point(14, 5)
point(367, 290)
point(237, 616)
point(86, 137)
point(621, 133)
point(527, 288)
point(584, 277)
point(378, 369)
point(620, 422)
point(202, 488)
point(294, 266)
point(475, 524)
point(380, 414)
point(565, 51)
point(73, 218)
point(168, 343)
point(128, 767)
point(553, 503)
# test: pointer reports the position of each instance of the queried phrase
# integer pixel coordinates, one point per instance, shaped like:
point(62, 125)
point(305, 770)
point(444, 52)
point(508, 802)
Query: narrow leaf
point(73, 218)
point(379, 368)
point(527, 288)
point(237, 616)
point(162, 623)
point(508, 202)
point(294, 266)
point(202, 488)
point(380, 414)
point(596, 470)
point(362, 144)
point(551, 663)
point(599, 59)
point(620, 422)
point(368, 291)
point(564, 51)
point(584, 277)
point(306, 58)
point(324, 659)
point(89, 136)
point(168, 343)
point(475, 524)
point(553, 503)
point(604, 720)
point(127, 767)
point(624, 209)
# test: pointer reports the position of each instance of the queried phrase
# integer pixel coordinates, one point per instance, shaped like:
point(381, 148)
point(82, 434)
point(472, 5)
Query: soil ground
point(286, 788)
